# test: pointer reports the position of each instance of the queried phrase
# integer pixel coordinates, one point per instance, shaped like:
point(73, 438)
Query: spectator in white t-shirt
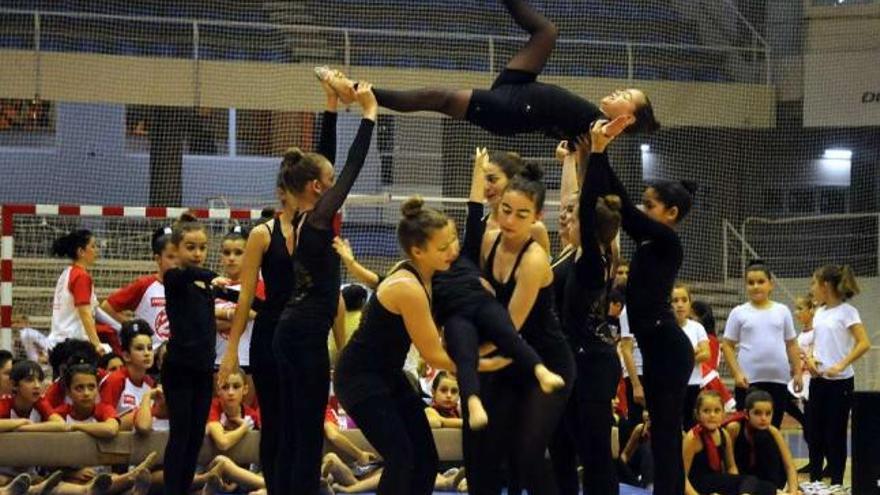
point(681, 306)
point(840, 339)
point(768, 355)
point(74, 303)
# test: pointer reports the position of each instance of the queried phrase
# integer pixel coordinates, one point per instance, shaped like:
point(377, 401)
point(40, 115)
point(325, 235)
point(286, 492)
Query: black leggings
point(522, 419)
point(267, 381)
point(585, 429)
point(487, 322)
point(188, 395)
point(396, 425)
point(304, 372)
point(778, 391)
point(828, 416)
point(595, 386)
point(530, 58)
point(668, 358)
point(731, 484)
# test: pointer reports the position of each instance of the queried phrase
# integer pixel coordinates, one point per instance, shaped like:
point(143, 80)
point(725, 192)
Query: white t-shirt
point(762, 334)
point(74, 288)
point(833, 340)
point(626, 333)
point(146, 297)
point(696, 333)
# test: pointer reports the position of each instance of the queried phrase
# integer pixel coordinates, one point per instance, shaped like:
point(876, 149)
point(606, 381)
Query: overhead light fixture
point(837, 154)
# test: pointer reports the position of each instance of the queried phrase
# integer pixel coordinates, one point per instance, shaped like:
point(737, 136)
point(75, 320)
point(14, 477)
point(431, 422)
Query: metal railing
point(627, 51)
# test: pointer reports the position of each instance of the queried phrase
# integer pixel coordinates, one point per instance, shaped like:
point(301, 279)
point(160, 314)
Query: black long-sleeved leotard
point(656, 261)
point(315, 263)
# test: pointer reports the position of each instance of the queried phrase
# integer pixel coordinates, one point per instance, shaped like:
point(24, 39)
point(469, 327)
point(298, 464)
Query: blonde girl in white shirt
point(840, 339)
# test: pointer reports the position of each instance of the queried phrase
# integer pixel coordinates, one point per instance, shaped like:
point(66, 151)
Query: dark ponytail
point(69, 244)
point(676, 193)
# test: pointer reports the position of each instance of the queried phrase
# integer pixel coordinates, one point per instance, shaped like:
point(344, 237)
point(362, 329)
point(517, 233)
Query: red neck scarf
point(712, 451)
point(446, 412)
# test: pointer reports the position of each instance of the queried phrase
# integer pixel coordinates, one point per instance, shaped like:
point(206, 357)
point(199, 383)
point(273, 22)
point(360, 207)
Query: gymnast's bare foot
point(477, 417)
point(548, 380)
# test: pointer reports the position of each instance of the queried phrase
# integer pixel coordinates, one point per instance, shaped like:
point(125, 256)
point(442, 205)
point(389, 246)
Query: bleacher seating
point(646, 21)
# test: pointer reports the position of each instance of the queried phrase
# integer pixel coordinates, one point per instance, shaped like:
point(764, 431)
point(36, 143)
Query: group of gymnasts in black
point(527, 363)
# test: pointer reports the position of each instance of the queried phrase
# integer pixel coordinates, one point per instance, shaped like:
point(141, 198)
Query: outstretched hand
point(343, 249)
point(562, 151)
point(367, 99)
point(481, 158)
point(603, 132)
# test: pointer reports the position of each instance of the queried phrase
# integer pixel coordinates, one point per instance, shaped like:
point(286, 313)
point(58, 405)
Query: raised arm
point(636, 223)
point(474, 229)
point(327, 144)
point(331, 201)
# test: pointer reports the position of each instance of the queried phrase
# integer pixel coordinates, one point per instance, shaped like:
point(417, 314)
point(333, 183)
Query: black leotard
point(541, 328)
point(517, 103)
point(585, 307)
point(376, 352)
point(656, 261)
point(316, 264)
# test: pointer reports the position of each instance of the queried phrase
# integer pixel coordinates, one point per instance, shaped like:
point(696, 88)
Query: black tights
point(266, 380)
point(585, 431)
point(668, 362)
point(522, 420)
point(531, 58)
point(304, 371)
point(487, 322)
point(828, 415)
point(396, 425)
point(188, 396)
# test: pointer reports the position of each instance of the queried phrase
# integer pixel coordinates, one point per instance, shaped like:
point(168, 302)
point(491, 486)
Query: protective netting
point(191, 104)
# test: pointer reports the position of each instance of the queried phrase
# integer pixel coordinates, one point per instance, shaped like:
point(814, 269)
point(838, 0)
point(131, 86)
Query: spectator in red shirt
point(60, 357)
point(5, 369)
point(25, 409)
point(99, 420)
point(230, 420)
point(124, 388)
point(74, 302)
point(146, 295)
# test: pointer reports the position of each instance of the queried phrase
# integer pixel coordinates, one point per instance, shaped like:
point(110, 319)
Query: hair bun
point(690, 186)
point(532, 171)
point(612, 201)
point(187, 217)
point(412, 206)
point(293, 154)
